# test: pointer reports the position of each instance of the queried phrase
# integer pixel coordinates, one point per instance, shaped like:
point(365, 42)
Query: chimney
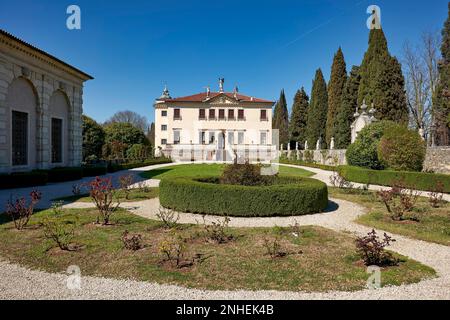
point(221, 83)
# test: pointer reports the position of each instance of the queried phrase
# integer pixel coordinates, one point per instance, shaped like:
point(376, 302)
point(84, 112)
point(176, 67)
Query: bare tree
point(132, 117)
point(420, 66)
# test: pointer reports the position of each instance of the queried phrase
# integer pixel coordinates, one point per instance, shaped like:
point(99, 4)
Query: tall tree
point(130, 117)
point(297, 125)
point(382, 81)
point(441, 112)
point(317, 114)
point(151, 134)
point(346, 110)
point(93, 139)
point(281, 119)
point(335, 89)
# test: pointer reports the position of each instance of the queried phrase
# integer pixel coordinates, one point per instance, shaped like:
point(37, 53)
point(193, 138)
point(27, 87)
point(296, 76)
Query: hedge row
point(414, 180)
point(308, 164)
point(42, 177)
point(293, 197)
point(128, 166)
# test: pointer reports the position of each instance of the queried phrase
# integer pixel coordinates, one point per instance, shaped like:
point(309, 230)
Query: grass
point(320, 259)
point(193, 170)
point(433, 224)
point(135, 195)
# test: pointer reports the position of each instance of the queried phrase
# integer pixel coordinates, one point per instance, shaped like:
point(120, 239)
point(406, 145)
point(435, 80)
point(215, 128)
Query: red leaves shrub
point(21, 212)
point(132, 242)
point(103, 195)
point(399, 200)
point(372, 250)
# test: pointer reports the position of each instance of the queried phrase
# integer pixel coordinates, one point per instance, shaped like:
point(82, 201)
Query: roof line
point(9, 35)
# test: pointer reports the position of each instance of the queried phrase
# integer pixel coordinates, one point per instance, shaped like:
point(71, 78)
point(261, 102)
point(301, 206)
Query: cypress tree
point(281, 119)
point(335, 88)
point(382, 81)
point(442, 100)
point(346, 110)
point(317, 114)
point(297, 125)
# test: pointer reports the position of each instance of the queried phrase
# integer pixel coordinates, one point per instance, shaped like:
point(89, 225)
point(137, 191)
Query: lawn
point(135, 195)
point(433, 223)
point(317, 260)
point(193, 170)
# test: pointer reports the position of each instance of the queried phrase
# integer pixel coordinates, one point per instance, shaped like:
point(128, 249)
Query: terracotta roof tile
point(201, 97)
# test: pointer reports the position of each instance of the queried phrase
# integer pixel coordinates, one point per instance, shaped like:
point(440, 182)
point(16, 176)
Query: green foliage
point(364, 152)
point(281, 119)
point(245, 175)
point(297, 125)
point(65, 174)
point(420, 180)
point(120, 137)
point(23, 179)
point(346, 110)
point(308, 164)
point(382, 81)
point(402, 149)
point(140, 164)
point(317, 114)
point(286, 197)
point(151, 134)
point(94, 170)
point(93, 138)
point(335, 91)
point(139, 152)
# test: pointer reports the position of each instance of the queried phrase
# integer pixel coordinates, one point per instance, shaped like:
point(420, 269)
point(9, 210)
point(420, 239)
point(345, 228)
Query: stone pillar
point(75, 128)
point(44, 86)
point(6, 77)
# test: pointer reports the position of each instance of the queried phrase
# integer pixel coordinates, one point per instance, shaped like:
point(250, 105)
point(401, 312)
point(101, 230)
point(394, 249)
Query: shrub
point(273, 248)
point(94, 170)
point(309, 164)
point(285, 197)
point(244, 175)
point(125, 183)
point(168, 217)
point(216, 232)
point(437, 195)
point(132, 242)
point(127, 166)
point(23, 179)
point(139, 152)
point(21, 212)
point(103, 195)
point(173, 249)
point(372, 250)
point(420, 180)
point(398, 200)
point(58, 230)
point(65, 174)
point(364, 152)
point(402, 149)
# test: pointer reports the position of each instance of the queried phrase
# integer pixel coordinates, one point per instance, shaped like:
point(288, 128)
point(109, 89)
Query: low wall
point(327, 157)
point(438, 160)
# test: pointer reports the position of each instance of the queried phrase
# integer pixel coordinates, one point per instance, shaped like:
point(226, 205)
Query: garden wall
point(438, 160)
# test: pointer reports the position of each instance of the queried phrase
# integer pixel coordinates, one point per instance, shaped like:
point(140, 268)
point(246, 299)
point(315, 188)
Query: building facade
point(41, 100)
point(214, 126)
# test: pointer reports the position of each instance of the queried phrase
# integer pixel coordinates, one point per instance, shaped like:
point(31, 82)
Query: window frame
point(175, 111)
point(61, 137)
point(241, 111)
point(27, 146)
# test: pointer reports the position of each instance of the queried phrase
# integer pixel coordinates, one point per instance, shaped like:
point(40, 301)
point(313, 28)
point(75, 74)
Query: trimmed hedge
point(23, 180)
point(286, 197)
point(94, 171)
point(415, 180)
point(65, 174)
point(308, 164)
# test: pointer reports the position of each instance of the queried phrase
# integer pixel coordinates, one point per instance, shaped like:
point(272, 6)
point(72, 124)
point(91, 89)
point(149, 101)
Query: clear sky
point(133, 48)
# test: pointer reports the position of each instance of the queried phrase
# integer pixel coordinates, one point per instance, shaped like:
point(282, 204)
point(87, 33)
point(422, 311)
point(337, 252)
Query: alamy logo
point(374, 21)
point(74, 278)
point(374, 281)
point(74, 20)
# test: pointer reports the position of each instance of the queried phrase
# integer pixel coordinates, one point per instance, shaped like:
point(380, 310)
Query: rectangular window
point(202, 114)
point(264, 115)
point(19, 138)
point(202, 139)
point(177, 114)
point(212, 114)
point(164, 127)
point(241, 115)
point(57, 133)
point(212, 138)
point(231, 114)
point(164, 113)
point(176, 137)
point(230, 138)
point(163, 142)
point(221, 114)
point(263, 138)
point(241, 137)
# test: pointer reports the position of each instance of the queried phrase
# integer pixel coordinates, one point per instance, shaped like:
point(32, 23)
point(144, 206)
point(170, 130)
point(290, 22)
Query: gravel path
point(20, 283)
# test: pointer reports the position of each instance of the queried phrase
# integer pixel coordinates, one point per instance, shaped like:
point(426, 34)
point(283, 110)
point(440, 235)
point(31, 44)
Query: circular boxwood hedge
point(285, 197)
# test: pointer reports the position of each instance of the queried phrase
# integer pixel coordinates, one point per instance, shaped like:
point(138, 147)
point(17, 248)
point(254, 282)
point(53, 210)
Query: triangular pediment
point(222, 99)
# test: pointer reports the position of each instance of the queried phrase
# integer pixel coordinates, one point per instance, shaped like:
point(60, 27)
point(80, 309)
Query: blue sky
point(133, 48)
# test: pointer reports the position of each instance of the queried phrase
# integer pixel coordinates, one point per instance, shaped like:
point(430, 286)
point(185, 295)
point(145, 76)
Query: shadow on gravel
point(332, 207)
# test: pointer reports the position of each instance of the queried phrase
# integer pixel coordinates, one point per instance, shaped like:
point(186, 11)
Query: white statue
point(332, 144)
point(318, 144)
point(296, 146)
point(306, 145)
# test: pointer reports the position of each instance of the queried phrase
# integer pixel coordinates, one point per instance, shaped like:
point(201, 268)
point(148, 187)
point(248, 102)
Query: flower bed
point(285, 197)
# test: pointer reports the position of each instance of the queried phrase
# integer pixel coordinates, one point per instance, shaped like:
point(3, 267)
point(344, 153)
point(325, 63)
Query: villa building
point(214, 126)
point(40, 108)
